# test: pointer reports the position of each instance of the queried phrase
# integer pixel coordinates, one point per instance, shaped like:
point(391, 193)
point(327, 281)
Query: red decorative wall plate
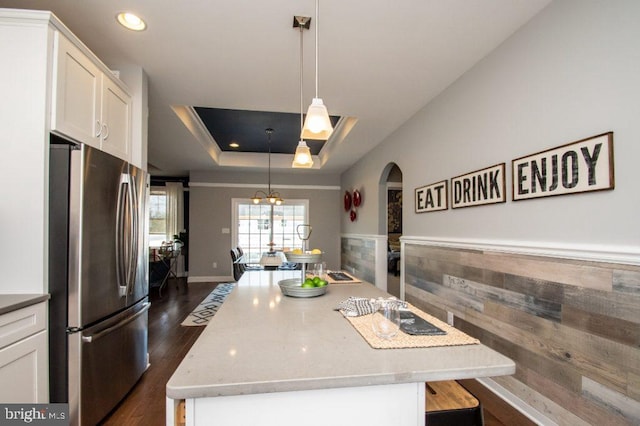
point(353, 215)
point(347, 201)
point(357, 198)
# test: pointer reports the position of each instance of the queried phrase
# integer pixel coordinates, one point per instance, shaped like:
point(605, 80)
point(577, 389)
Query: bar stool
point(449, 403)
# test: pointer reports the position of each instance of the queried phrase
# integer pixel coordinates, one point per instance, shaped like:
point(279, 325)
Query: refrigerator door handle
point(94, 337)
point(133, 236)
point(121, 273)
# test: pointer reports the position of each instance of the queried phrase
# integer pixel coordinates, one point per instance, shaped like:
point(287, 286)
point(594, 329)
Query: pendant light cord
point(301, 87)
point(269, 131)
point(317, 26)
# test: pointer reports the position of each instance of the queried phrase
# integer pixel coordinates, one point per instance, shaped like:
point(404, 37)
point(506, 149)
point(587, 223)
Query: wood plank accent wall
point(572, 327)
point(358, 256)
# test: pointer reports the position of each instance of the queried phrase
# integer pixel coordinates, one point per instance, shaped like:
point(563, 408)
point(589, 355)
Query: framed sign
point(486, 186)
point(432, 198)
point(582, 166)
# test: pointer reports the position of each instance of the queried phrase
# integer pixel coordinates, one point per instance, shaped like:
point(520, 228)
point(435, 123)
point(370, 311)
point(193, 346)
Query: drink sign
point(486, 186)
point(582, 166)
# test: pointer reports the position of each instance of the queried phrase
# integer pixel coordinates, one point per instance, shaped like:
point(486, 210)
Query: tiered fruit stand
point(292, 286)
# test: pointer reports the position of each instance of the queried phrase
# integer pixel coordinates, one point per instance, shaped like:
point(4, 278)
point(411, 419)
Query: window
point(157, 217)
point(166, 213)
point(252, 225)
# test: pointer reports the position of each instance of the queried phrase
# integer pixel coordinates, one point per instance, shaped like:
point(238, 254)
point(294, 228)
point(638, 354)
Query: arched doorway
point(391, 221)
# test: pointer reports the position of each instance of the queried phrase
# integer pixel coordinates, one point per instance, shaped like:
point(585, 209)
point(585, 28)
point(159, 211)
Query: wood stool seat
point(449, 403)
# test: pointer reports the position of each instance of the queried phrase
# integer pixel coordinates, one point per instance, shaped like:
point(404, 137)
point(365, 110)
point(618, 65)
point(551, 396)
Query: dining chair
point(237, 267)
point(247, 266)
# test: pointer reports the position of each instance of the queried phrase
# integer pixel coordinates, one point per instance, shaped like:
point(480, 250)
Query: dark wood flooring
point(169, 343)
point(495, 410)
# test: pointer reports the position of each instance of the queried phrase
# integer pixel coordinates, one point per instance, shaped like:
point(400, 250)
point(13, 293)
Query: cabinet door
point(116, 120)
point(77, 83)
point(23, 365)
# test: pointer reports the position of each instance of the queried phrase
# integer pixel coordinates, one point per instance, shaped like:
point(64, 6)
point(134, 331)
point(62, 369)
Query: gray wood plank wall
point(358, 256)
point(572, 327)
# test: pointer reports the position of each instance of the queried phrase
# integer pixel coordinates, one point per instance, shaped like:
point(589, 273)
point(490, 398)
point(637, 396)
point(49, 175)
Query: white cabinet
point(88, 105)
point(24, 356)
point(116, 120)
point(53, 83)
point(76, 94)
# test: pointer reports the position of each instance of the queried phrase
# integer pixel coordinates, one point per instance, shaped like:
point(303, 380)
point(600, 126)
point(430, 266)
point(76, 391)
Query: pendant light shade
point(317, 124)
point(302, 158)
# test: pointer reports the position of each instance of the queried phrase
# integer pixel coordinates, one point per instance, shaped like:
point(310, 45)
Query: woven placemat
point(454, 337)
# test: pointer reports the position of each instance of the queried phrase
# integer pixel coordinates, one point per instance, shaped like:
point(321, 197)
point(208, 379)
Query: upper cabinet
point(116, 120)
point(89, 105)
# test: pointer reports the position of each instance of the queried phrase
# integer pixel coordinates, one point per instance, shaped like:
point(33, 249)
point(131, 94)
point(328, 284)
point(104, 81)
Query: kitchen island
point(270, 359)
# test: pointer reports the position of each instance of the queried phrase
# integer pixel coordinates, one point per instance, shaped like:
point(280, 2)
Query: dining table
point(270, 359)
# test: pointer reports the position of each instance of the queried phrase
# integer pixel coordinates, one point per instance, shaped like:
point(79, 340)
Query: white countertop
point(13, 302)
point(261, 341)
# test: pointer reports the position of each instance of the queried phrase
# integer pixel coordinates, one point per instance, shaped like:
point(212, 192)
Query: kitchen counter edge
point(13, 302)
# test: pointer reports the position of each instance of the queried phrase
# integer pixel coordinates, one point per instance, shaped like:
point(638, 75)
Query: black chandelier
point(272, 197)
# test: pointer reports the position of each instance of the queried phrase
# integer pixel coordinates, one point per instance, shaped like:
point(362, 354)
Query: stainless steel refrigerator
point(98, 279)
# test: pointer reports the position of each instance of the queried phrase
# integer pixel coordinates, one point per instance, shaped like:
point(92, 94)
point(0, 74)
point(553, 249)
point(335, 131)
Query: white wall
point(570, 73)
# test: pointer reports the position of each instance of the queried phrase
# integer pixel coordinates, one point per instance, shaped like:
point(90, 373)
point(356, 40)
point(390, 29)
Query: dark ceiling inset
point(247, 129)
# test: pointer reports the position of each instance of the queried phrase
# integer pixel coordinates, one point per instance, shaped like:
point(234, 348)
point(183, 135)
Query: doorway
point(391, 184)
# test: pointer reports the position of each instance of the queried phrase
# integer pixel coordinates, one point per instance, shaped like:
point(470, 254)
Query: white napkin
point(357, 306)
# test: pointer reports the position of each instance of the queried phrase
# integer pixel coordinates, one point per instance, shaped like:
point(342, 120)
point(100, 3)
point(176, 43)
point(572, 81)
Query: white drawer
point(22, 323)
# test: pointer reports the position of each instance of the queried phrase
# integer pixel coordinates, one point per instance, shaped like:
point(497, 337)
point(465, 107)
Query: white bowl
point(303, 257)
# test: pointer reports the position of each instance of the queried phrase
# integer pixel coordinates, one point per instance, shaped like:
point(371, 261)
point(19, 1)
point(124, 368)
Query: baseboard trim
point(517, 403)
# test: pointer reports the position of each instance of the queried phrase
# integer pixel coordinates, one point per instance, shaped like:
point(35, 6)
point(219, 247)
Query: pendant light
point(317, 124)
point(302, 157)
point(272, 197)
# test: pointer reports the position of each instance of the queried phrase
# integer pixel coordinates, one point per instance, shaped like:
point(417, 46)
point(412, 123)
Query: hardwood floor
point(393, 285)
point(168, 344)
point(496, 412)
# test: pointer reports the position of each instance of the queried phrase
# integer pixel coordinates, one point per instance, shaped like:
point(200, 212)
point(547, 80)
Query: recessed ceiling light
point(234, 145)
point(131, 21)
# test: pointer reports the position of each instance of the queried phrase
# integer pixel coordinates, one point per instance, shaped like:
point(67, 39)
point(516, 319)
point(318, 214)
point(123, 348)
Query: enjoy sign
point(582, 166)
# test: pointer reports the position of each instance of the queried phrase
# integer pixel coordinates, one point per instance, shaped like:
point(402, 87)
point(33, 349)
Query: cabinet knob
point(99, 127)
point(105, 132)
